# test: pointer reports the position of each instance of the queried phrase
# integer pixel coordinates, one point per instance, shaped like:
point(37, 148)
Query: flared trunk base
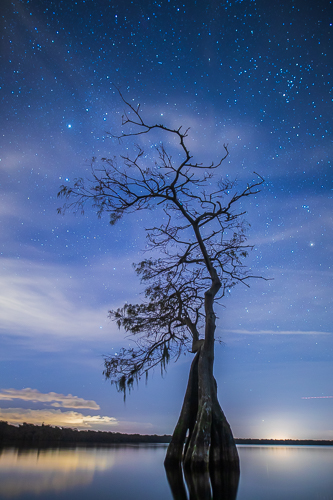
point(202, 439)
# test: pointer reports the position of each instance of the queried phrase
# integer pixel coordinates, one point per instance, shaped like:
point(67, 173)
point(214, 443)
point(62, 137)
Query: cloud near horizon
point(72, 419)
point(16, 416)
point(54, 399)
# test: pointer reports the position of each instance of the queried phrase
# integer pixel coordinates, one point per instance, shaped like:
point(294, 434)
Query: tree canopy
point(197, 246)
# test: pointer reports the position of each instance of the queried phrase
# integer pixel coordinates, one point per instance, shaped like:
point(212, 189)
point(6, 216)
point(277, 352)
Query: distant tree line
point(40, 434)
point(286, 442)
point(37, 434)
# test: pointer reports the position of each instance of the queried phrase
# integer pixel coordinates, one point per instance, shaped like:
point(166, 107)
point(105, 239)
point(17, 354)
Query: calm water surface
point(137, 472)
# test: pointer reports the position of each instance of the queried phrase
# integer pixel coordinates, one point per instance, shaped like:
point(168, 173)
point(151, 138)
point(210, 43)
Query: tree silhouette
point(196, 254)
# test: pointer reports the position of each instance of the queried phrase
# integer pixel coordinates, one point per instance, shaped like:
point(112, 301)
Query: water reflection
point(84, 473)
point(216, 485)
point(288, 472)
point(40, 471)
point(137, 473)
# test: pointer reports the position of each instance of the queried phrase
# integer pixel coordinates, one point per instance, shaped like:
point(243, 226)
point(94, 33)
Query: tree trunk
point(202, 438)
point(209, 443)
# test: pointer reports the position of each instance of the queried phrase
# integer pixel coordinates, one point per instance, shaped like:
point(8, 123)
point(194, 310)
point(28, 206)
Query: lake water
point(137, 472)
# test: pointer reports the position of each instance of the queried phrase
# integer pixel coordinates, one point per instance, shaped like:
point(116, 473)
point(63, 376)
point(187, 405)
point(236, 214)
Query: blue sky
point(256, 77)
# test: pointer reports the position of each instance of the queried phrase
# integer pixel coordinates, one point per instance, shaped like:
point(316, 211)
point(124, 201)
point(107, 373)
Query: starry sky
point(252, 74)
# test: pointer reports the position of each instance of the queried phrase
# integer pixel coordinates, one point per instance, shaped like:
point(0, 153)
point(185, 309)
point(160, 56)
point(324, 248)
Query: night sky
point(254, 74)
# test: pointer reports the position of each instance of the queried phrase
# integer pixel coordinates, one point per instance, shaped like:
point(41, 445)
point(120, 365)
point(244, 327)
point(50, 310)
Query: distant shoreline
point(286, 442)
point(30, 434)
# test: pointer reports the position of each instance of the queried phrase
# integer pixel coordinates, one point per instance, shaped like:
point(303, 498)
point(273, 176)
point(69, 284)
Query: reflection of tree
point(218, 484)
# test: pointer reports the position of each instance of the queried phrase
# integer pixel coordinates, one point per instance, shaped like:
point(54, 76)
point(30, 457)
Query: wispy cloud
point(304, 227)
point(38, 303)
point(75, 419)
point(296, 300)
point(49, 300)
point(54, 399)
point(279, 332)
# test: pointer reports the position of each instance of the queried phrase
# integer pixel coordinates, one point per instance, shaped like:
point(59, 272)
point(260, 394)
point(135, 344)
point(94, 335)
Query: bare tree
point(196, 254)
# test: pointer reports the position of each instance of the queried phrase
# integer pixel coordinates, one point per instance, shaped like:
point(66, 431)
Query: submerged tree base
point(202, 439)
point(216, 484)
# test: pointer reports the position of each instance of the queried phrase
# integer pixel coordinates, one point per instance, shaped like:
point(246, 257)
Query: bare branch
point(199, 247)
